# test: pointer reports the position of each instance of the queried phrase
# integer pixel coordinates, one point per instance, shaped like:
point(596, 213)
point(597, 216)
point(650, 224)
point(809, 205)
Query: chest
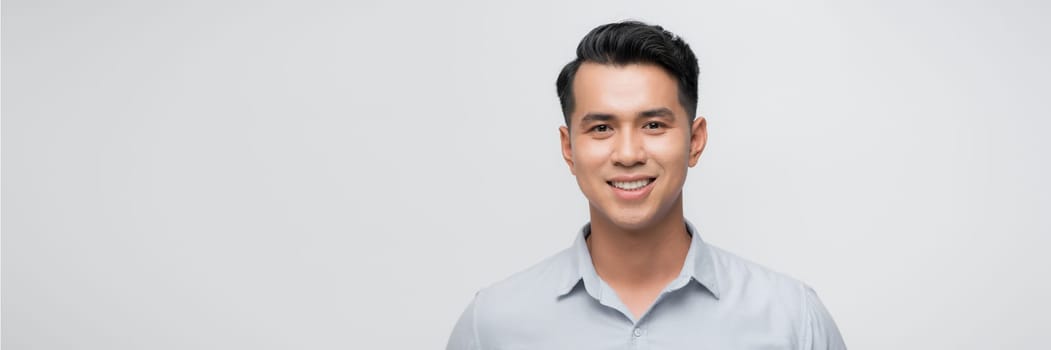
point(581, 322)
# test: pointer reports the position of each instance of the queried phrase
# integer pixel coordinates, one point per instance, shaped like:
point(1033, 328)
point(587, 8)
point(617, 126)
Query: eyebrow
point(596, 117)
point(662, 112)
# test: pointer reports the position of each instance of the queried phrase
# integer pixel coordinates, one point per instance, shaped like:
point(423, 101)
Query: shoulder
point(510, 308)
point(537, 281)
point(746, 280)
point(775, 297)
point(736, 272)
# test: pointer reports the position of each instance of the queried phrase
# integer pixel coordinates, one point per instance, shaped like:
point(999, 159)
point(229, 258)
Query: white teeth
point(631, 185)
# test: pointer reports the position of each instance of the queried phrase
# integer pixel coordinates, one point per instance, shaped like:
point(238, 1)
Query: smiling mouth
point(632, 185)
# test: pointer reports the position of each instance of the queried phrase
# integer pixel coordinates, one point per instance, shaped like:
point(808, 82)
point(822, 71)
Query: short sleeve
point(465, 333)
point(820, 331)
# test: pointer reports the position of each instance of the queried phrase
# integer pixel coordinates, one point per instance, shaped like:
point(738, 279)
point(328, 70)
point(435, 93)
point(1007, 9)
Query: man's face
point(630, 142)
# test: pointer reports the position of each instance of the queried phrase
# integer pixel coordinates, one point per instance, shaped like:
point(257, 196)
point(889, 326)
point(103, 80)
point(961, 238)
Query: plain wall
point(323, 175)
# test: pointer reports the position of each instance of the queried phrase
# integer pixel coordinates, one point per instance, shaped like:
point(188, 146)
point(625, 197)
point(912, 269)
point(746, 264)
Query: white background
point(323, 175)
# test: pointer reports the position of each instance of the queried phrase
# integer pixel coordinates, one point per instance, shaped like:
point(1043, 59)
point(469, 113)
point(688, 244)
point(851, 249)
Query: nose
point(628, 150)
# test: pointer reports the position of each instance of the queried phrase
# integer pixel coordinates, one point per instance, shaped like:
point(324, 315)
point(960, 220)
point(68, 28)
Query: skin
point(627, 120)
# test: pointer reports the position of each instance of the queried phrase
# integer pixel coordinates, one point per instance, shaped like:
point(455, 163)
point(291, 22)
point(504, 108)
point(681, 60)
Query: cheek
point(669, 153)
point(589, 156)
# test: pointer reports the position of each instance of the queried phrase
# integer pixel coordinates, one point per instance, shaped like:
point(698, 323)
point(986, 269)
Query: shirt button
point(637, 332)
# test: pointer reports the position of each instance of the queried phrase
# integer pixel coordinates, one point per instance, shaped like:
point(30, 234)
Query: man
point(639, 275)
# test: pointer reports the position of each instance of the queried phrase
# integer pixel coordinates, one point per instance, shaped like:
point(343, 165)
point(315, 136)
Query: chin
point(632, 220)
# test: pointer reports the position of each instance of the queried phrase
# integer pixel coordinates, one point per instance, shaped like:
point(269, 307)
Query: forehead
point(623, 90)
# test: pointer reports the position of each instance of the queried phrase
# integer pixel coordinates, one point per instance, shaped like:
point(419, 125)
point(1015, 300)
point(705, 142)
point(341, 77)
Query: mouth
point(634, 185)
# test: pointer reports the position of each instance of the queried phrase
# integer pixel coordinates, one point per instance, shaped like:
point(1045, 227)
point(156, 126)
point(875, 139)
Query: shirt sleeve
point(465, 333)
point(820, 331)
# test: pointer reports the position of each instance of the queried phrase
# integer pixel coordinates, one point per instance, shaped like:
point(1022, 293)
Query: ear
point(698, 138)
point(567, 148)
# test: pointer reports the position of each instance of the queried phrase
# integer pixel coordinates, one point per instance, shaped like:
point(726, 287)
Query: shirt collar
point(699, 266)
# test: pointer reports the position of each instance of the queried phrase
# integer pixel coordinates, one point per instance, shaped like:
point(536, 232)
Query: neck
point(636, 257)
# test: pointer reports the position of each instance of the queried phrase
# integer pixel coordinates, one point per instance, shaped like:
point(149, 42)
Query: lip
point(632, 195)
point(627, 178)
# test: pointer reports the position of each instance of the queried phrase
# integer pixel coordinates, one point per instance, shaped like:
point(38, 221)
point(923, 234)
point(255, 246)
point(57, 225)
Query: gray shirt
point(718, 301)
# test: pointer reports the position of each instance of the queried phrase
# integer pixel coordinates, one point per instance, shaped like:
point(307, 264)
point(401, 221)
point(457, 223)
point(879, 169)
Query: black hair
point(630, 42)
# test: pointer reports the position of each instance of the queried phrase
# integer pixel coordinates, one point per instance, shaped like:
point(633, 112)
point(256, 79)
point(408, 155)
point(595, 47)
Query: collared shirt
point(718, 301)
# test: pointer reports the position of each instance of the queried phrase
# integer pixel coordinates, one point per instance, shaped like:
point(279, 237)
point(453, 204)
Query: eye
point(654, 125)
point(600, 128)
